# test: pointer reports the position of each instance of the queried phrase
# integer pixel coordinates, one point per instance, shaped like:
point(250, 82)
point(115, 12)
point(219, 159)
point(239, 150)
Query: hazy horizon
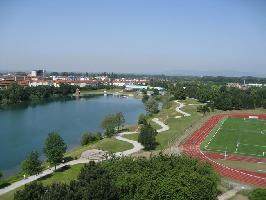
point(163, 37)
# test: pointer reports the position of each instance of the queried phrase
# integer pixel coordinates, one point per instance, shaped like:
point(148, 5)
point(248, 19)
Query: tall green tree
point(203, 109)
point(112, 123)
point(109, 122)
point(264, 104)
point(145, 97)
point(1, 175)
point(32, 164)
point(54, 148)
point(147, 137)
point(120, 120)
point(142, 119)
point(151, 106)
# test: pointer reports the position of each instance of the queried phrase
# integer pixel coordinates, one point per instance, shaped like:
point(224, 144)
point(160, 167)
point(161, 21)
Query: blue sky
point(157, 36)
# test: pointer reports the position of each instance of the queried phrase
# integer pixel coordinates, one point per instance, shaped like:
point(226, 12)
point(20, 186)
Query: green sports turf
point(239, 136)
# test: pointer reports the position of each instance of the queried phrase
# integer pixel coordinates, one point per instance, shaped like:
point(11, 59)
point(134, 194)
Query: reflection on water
point(24, 127)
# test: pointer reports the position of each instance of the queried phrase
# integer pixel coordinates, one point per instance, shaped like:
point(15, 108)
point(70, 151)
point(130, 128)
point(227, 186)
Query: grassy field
point(177, 126)
point(64, 176)
point(107, 144)
point(238, 136)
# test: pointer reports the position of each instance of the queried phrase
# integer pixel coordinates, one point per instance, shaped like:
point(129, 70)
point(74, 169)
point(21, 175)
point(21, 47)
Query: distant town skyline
point(171, 37)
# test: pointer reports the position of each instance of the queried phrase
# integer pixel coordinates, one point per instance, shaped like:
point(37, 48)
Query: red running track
point(191, 147)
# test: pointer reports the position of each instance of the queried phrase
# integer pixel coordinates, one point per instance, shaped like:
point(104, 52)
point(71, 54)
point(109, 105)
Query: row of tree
point(222, 97)
point(17, 94)
point(54, 150)
point(160, 177)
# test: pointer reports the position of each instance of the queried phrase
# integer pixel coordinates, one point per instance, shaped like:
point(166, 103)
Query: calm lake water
point(24, 128)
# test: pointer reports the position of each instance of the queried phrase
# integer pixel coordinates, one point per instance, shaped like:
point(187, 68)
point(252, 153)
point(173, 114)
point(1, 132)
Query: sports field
point(237, 135)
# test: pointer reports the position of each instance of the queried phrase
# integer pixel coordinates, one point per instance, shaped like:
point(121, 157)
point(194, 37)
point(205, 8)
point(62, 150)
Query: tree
point(112, 122)
point(159, 177)
point(151, 106)
point(203, 109)
point(180, 93)
point(54, 148)
point(1, 175)
point(144, 91)
point(109, 132)
point(32, 165)
point(258, 194)
point(109, 122)
point(156, 92)
point(89, 138)
point(264, 104)
point(145, 97)
point(120, 120)
point(32, 191)
point(163, 177)
point(142, 119)
point(96, 183)
point(147, 137)
point(58, 191)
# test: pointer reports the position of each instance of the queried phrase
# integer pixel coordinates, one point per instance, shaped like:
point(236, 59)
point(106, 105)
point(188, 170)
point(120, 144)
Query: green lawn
point(60, 176)
point(63, 176)
point(133, 136)
point(239, 136)
point(107, 144)
point(177, 126)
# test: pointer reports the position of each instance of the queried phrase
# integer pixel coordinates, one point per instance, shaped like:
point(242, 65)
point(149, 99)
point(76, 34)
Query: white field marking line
point(245, 131)
point(249, 154)
point(255, 145)
point(226, 167)
point(237, 144)
point(231, 169)
point(215, 134)
point(213, 137)
point(221, 165)
point(215, 150)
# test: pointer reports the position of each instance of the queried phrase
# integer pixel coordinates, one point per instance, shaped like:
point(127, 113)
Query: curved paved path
point(179, 106)
point(136, 147)
point(229, 194)
point(163, 125)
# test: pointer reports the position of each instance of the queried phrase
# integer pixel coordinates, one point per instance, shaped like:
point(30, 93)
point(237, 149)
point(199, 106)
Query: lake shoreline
point(139, 108)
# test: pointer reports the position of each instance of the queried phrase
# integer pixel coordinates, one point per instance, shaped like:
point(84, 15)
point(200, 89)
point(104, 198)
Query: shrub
point(88, 138)
point(142, 119)
point(258, 194)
